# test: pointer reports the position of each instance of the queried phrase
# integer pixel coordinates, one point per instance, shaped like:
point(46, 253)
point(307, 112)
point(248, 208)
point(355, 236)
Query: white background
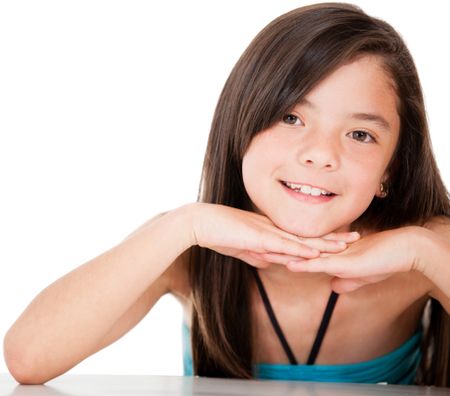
point(105, 108)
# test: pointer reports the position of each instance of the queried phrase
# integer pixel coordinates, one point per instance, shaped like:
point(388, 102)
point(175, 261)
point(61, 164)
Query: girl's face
point(340, 139)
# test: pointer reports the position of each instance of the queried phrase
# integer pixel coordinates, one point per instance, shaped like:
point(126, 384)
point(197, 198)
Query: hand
point(253, 238)
point(371, 259)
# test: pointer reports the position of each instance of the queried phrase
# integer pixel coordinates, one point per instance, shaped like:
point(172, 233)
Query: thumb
point(340, 285)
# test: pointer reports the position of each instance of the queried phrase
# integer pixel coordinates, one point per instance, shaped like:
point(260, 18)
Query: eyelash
point(367, 133)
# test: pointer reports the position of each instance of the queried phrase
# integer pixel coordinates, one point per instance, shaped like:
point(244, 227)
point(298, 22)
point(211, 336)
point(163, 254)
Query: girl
point(319, 244)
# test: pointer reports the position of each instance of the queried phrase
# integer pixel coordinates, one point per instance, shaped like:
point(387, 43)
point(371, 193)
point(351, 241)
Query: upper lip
point(307, 184)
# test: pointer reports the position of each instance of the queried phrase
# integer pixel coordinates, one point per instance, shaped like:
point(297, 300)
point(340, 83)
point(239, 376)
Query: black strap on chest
point(320, 333)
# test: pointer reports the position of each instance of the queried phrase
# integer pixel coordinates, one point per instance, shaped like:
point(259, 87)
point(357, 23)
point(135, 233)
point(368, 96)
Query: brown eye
point(362, 136)
point(290, 119)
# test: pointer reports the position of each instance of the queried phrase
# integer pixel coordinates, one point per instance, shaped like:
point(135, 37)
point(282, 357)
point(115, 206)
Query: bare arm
point(101, 300)
point(96, 303)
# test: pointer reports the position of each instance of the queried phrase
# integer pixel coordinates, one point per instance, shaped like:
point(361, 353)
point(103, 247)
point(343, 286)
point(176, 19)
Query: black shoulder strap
point(322, 328)
point(273, 318)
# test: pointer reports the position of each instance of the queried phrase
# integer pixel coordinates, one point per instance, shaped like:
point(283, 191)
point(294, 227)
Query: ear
point(384, 180)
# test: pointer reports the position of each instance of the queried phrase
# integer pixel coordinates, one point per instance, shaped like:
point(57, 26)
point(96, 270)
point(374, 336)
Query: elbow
point(23, 368)
point(23, 374)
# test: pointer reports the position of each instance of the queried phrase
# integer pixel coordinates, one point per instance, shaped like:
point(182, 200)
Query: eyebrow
point(375, 118)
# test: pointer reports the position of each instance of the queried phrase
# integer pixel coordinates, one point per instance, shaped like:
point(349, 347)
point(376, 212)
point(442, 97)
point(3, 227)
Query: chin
point(305, 227)
point(313, 232)
point(310, 229)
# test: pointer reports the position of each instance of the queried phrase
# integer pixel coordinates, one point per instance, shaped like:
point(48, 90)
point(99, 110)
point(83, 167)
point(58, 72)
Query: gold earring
point(383, 191)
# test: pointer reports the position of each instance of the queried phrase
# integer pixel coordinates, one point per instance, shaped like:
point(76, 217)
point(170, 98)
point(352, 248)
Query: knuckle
point(282, 242)
point(264, 245)
point(264, 256)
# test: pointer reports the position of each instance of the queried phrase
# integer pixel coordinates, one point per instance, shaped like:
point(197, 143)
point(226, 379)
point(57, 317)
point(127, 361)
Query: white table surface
point(134, 385)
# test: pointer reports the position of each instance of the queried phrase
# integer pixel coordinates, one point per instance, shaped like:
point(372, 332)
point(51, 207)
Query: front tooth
point(315, 192)
point(294, 186)
point(305, 189)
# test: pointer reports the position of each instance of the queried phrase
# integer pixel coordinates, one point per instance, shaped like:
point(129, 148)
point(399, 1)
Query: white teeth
point(305, 189)
point(294, 186)
point(314, 191)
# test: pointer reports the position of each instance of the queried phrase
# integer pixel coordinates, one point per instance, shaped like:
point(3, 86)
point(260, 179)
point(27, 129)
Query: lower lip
point(299, 196)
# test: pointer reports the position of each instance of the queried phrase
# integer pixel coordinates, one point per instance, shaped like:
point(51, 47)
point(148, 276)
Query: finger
point(343, 236)
point(331, 246)
point(274, 258)
point(275, 244)
point(323, 264)
point(332, 242)
point(346, 285)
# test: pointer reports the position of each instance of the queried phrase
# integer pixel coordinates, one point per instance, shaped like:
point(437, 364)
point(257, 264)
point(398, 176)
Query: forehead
point(359, 87)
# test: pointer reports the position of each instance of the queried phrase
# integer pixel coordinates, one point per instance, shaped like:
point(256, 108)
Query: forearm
point(67, 320)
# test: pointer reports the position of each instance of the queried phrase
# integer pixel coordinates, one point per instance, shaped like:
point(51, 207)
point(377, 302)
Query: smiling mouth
point(307, 190)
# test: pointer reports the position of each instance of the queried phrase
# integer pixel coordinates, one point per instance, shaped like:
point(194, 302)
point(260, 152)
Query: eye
point(291, 119)
point(362, 136)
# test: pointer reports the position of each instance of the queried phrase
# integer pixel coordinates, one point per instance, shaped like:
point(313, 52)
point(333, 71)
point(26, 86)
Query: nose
point(321, 152)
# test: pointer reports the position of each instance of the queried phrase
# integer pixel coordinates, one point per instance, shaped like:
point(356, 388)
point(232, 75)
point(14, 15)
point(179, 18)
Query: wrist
point(188, 214)
point(421, 243)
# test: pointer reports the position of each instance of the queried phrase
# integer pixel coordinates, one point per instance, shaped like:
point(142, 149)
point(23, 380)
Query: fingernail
point(342, 244)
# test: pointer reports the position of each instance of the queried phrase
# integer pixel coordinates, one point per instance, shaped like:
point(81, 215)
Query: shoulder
point(439, 224)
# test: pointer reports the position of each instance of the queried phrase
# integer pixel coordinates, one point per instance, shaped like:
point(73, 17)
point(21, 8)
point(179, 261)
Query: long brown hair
point(280, 66)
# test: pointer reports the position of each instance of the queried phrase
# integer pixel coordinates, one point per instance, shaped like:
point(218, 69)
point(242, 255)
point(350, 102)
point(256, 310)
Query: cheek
point(361, 189)
point(364, 171)
point(261, 161)
point(364, 185)
point(356, 205)
point(253, 171)
point(250, 173)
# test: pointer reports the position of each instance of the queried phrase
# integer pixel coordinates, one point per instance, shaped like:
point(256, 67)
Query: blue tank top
point(396, 367)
